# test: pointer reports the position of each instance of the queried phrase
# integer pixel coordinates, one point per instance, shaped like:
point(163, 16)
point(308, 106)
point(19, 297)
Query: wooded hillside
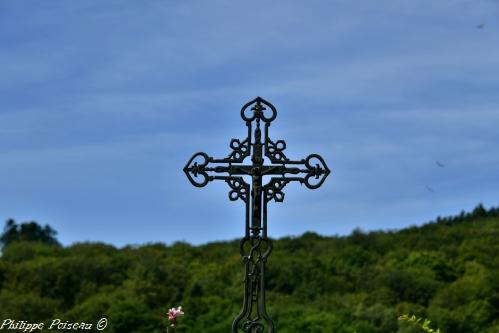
point(446, 270)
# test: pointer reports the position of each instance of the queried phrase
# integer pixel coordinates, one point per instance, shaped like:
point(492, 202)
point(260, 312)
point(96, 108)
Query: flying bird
point(439, 164)
point(480, 26)
point(429, 189)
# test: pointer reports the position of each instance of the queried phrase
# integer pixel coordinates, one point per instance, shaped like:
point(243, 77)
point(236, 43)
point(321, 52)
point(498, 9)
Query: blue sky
point(103, 102)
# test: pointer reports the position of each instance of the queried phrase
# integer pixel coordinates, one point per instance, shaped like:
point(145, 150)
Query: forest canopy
point(446, 270)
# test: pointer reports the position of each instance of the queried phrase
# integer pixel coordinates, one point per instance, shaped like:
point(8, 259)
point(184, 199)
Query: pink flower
point(174, 313)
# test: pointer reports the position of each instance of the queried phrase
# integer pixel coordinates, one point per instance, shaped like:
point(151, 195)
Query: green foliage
point(17, 252)
point(28, 231)
point(447, 271)
point(423, 324)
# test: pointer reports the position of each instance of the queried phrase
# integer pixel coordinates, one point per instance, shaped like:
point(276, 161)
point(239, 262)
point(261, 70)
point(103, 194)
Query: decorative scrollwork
point(258, 111)
point(251, 326)
point(273, 190)
point(319, 171)
point(239, 189)
point(254, 251)
point(274, 150)
point(239, 149)
point(195, 169)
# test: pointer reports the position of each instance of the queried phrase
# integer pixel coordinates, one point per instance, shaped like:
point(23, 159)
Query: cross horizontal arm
point(198, 171)
point(250, 169)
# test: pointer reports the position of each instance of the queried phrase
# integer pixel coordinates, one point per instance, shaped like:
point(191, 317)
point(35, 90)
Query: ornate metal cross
point(255, 247)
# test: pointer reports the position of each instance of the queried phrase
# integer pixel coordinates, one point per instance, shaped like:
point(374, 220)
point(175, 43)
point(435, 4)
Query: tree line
point(446, 270)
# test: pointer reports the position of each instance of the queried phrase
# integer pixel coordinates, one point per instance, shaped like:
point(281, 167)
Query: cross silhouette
point(255, 247)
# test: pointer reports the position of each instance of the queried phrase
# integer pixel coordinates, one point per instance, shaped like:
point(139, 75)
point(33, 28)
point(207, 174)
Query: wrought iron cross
point(255, 247)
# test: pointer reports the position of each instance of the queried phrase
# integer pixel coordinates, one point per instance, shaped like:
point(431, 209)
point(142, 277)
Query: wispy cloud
point(104, 102)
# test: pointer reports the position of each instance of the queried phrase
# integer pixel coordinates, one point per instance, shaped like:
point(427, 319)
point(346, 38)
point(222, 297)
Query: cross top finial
point(258, 110)
point(258, 106)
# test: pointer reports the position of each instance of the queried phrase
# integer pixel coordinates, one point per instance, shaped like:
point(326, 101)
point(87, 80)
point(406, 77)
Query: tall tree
point(28, 231)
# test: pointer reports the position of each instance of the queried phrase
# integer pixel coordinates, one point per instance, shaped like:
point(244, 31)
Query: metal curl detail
point(258, 110)
point(318, 171)
point(273, 190)
point(240, 150)
point(239, 189)
point(275, 150)
point(254, 311)
point(253, 327)
point(192, 168)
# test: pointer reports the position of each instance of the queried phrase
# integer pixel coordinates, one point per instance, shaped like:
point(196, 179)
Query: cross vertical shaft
point(256, 185)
